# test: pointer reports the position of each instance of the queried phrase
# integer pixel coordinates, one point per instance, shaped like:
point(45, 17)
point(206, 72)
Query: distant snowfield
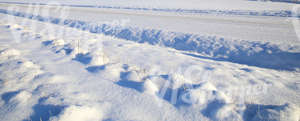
point(72, 69)
point(178, 4)
point(253, 25)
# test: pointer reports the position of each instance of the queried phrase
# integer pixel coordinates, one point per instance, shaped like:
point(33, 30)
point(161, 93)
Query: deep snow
point(62, 72)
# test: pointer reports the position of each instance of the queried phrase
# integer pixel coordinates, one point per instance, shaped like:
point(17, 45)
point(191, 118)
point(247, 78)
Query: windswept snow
point(65, 69)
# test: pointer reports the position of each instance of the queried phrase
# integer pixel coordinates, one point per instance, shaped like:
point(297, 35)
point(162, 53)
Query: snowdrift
point(200, 46)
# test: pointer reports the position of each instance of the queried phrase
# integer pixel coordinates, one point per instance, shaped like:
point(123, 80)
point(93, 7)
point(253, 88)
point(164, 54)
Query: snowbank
point(71, 90)
point(80, 113)
point(200, 46)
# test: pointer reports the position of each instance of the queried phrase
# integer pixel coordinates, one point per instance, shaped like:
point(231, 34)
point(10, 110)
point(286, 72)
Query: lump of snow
point(112, 71)
point(133, 76)
point(58, 42)
point(80, 113)
point(149, 87)
point(29, 64)
point(23, 97)
point(205, 94)
point(9, 52)
point(16, 26)
point(99, 58)
point(178, 80)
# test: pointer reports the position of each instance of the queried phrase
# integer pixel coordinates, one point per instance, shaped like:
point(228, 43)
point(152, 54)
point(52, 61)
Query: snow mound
point(29, 64)
point(9, 52)
point(58, 42)
point(133, 76)
point(206, 94)
point(58, 46)
point(23, 97)
point(80, 113)
point(14, 26)
point(99, 58)
point(57, 79)
point(177, 80)
point(134, 73)
point(207, 86)
point(113, 71)
point(79, 51)
point(150, 88)
point(213, 103)
point(17, 72)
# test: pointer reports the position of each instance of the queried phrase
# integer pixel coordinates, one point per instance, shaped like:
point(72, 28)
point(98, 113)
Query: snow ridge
point(281, 13)
point(200, 46)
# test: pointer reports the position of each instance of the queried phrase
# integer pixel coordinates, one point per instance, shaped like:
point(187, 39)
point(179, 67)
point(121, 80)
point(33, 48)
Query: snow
point(243, 27)
point(22, 97)
point(53, 69)
point(150, 87)
point(79, 113)
point(285, 112)
point(9, 53)
point(178, 4)
point(214, 47)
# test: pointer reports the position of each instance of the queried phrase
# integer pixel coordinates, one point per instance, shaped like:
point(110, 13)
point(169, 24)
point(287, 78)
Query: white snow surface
point(177, 4)
point(61, 72)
